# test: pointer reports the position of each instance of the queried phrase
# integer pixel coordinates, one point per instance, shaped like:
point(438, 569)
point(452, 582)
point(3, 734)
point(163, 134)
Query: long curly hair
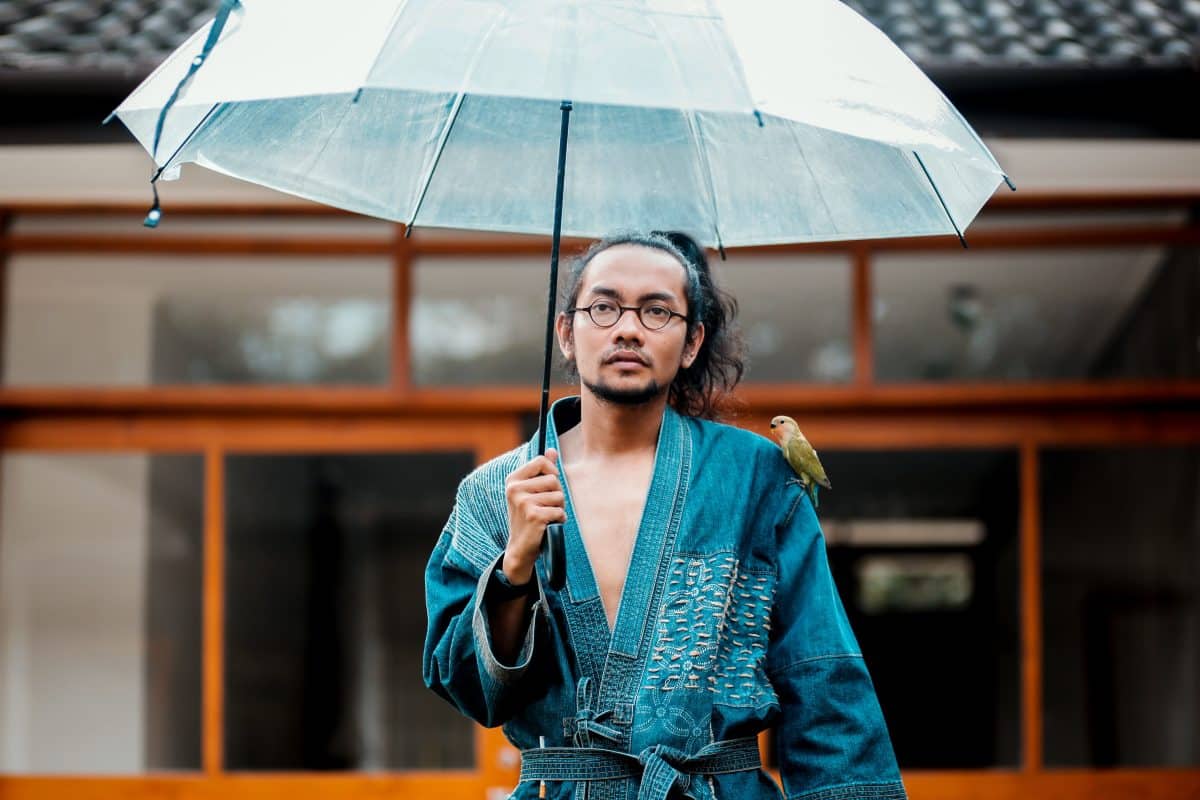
point(705, 388)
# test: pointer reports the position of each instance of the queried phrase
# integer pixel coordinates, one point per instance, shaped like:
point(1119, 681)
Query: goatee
point(633, 396)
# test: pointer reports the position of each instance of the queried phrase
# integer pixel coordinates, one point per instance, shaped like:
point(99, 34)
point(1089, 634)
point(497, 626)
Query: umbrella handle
point(554, 552)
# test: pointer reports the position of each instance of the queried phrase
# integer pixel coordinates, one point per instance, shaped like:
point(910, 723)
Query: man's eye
point(656, 312)
point(603, 306)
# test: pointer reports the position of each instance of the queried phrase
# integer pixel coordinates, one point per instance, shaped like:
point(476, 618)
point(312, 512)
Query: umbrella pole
point(553, 544)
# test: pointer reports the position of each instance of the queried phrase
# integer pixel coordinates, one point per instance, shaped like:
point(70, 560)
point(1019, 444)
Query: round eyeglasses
point(605, 313)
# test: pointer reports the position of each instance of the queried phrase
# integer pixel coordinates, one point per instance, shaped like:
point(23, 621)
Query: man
point(699, 607)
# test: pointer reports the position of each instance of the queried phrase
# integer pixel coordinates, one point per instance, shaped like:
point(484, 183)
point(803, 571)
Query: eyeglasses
point(605, 313)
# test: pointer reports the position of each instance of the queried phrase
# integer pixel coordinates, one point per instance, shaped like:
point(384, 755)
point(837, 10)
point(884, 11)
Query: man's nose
point(628, 326)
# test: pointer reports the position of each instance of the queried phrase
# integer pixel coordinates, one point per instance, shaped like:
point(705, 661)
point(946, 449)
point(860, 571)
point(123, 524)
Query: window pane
point(1121, 595)
point(923, 546)
point(480, 321)
point(477, 321)
point(795, 314)
point(138, 321)
point(326, 612)
point(1124, 312)
point(100, 574)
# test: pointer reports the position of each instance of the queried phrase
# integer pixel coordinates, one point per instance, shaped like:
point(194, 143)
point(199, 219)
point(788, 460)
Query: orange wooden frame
point(216, 421)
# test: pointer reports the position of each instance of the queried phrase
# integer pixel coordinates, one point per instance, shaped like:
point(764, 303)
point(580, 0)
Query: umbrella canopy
point(739, 121)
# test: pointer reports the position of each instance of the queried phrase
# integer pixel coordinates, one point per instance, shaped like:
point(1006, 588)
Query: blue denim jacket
point(729, 623)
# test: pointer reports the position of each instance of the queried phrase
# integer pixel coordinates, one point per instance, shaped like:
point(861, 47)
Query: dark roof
point(129, 37)
point(120, 37)
point(1013, 33)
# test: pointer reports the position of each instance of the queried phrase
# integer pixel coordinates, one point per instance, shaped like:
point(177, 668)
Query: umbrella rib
point(187, 139)
point(982, 146)
point(445, 135)
point(437, 156)
point(941, 200)
point(698, 141)
point(795, 137)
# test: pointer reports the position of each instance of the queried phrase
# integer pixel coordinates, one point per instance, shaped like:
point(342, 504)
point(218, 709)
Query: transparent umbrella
point(740, 122)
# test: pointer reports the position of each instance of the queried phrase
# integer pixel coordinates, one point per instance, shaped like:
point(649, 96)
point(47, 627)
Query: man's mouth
point(625, 357)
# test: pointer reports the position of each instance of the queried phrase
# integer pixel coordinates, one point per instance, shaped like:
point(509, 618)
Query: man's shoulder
point(486, 481)
point(726, 437)
point(742, 451)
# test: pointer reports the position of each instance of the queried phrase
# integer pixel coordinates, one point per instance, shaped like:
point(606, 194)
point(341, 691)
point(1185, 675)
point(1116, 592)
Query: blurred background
point(228, 445)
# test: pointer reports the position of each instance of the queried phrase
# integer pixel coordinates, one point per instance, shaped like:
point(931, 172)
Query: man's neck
point(608, 429)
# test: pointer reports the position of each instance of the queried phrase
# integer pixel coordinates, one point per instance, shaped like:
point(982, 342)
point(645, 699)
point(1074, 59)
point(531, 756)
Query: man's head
point(666, 344)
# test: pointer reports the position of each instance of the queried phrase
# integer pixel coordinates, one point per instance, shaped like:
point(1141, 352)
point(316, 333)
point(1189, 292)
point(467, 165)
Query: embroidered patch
point(712, 630)
point(689, 624)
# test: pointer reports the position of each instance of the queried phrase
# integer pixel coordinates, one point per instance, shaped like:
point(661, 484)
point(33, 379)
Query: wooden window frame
point(216, 421)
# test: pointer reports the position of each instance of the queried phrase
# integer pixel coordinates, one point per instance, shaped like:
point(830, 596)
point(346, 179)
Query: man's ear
point(692, 348)
point(566, 340)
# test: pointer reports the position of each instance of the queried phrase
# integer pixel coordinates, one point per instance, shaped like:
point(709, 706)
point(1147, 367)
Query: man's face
point(627, 363)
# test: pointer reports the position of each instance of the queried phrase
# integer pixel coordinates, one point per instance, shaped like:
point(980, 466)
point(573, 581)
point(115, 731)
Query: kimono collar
point(656, 531)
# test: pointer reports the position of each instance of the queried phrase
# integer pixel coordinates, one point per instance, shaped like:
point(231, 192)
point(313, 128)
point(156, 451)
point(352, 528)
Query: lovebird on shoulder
point(800, 455)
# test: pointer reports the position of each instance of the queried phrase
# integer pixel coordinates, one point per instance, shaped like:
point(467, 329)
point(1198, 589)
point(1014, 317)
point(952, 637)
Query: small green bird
point(800, 455)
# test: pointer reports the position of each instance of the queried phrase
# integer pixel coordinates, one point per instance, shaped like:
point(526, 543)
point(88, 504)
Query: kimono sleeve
point(831, 740)
point(458, 660)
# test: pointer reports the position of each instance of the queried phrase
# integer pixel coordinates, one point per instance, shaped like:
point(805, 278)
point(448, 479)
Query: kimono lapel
point(629, 640)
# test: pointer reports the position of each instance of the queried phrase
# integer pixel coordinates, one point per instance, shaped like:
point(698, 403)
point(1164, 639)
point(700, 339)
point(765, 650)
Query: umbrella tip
point(109, 118)
point(155, 212)
point(357, 95)
point(1011, 185)
point(758, 116)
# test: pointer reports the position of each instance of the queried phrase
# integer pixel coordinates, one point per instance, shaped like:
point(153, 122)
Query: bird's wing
point(802, 456)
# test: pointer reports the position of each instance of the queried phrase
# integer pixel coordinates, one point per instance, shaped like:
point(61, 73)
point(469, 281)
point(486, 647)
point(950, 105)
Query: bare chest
point(608, 506)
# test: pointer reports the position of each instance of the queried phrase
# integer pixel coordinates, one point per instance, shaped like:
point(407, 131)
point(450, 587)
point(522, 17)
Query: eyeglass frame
point(622, 309)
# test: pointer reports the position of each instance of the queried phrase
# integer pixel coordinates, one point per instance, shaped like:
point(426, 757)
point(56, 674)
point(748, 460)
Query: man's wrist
point(502, 589)
point(515, 572)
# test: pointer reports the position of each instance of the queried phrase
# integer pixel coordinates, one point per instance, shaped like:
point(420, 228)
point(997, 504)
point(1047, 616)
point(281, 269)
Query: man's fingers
point(541, 465)
point(543, 483)
point(530, 504)
point(556, 499)
point(548, 514)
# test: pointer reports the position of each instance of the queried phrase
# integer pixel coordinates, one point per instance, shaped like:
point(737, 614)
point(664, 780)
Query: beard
point(631, 396)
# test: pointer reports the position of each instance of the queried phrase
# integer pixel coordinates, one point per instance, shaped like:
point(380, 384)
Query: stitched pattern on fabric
point(741, 674)
point(689, 623)
point(478, 524)
point(712, 630)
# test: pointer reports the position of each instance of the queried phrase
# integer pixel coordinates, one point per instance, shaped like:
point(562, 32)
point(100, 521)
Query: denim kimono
point(729, 623)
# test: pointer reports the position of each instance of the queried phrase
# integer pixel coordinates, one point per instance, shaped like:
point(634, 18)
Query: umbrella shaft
point(552, 297)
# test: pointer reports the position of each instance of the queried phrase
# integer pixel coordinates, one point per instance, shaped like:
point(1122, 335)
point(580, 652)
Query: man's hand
point(535, 499)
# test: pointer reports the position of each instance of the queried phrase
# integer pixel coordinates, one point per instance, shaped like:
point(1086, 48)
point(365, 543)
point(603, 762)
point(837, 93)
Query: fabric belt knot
point(587, 720)
point(659, 768)
point(661, 772)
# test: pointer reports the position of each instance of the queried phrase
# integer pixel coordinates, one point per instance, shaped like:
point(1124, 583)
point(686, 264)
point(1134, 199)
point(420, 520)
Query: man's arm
point(482, 633)
point(535, 498)
point(831, 740)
